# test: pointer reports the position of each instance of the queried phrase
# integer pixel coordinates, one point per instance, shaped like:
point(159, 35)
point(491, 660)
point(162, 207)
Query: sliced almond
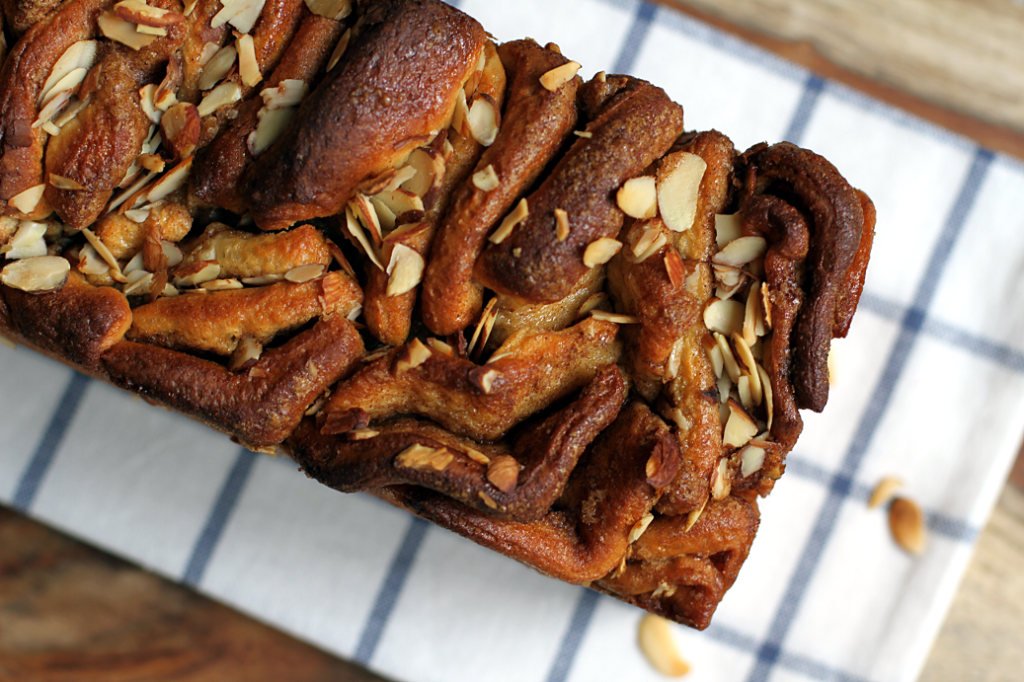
point(741, 251)
point(485, 380)
point(138, 12)
point(422, 457)
point(52, 108)
point(483, 329)
point(429, 166)
point(477, 456)
point(503, 473)
point(102, 250)
point(339, 49)
point(222, 284)
point(90, 263)
point(675, 267)
point(600, 251)
point(305, 273)
point(405, 270)
point(694, 516)
point(151, 30)
point(69, 82)
point(906, 521)
point(486, 179)
point(27, 242)
point(614, 317)
point(332, 9)
point(61, 182)
point(117, 29)
point(518, 215)
point(639, 527)
point(650, 242)
point(461, 114)
point(196, 274)
point(751, 460)
point(766, 387)
point(224, 94)
point(37, 274)
point(80, 55)
point(561, 224)
point(288, 93)
point(414, 355)
point(272, 124)
point(246, 354)
point(364, 211)
point(727, 228)
point(241, 14)
point(360, 237)
point(659, 647)
point(638, 197)
point(740, 428)
point(180, 127)
point(75, 106)
point(170, 182)
point(439, 346)
point(401, 202)
point(559, 76)
point(721, 484)
point(407, 234)
point(753, 319)
point(679, 179)
point(724, 317)
point(218, 67)
point(884, 491)
point(483, 120)
point(248, 65)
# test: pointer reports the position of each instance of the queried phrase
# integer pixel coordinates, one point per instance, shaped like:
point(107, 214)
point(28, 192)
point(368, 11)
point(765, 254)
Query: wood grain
point(962, 70)
point(982, 639)
point(72, 613)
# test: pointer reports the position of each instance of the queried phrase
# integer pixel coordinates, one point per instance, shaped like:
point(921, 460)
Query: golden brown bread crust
point(24, 73)
point(631, 123)
point(371, 109)
point(535, 124)
point(607, 425)
point(260, 405)
point(220, 165)
point(79, 322)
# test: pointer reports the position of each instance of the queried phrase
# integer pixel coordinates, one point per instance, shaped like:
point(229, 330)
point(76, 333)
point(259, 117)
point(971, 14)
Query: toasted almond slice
point(172, 253)
point(884, 491)
point(221, 284)
point(675, 268)
point(679, 179)
point(740, 428)
point(586, 134)
point(246, 354)
point(724, 317)
point(485, 381)
point(638, 197)
point(906, 521)
point(61, 182)
point(158, 31)
point(90, 263)
point(752, 315)
point(650, 242)
point(429, 167)
point(477, 456)
point(197, 273)
point(694, 516)
point(364, 211)
point(139, 284)
point(439, 346)
point(518, 215)
point(248, 66)
point(561, 224)
point(592, 302)
point(332, 9)
point(483, 120)
point(222, 95)
point(305, 273)
point(639, 527)
point(171, 181)
point(69, 82)
point(401, 201)
point(721, 484)
point(385, 215)
point(80, 55)
point(272, 124)
point(659, 647)
point(503, 473)
point(486, 180)
point(483, 328)
point(147, 98)
point(461, 114)
point(600, 251)
point(766, 387)
point(138, 12)
point(414, 355)
point(130, 192)
point(406, 233)
point(241, 14)
point(27, 242)
point(339, 49)
point(732, 367)
point(614, 317)
point(559, 76)
point(751, 460)
point(727, 228)
point(218, 66)
point(50, 128)
point(101, 249)
point(52, 108)
point(741, 251)
point(359, 235)
point(117, 29)
point(189, 6)
point(405, 270)
point(37, 274)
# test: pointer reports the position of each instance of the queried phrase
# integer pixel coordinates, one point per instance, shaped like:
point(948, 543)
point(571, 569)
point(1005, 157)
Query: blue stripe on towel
point(840, 485)
point(226, 502)
point(390, 590)
point(578, 626)
point(813, 87)
point(53, 436)
point(635, 37)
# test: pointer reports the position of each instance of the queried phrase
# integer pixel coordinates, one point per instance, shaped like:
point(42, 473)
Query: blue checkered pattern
point(929, 386)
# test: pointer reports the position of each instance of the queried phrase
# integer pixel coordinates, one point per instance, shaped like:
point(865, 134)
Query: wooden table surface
point(69, 612)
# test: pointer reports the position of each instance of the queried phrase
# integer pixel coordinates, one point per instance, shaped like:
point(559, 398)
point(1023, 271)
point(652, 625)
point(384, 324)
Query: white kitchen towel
point(929, 387)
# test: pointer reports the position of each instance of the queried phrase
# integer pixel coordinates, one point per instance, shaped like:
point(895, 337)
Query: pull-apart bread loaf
point(530, 308)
